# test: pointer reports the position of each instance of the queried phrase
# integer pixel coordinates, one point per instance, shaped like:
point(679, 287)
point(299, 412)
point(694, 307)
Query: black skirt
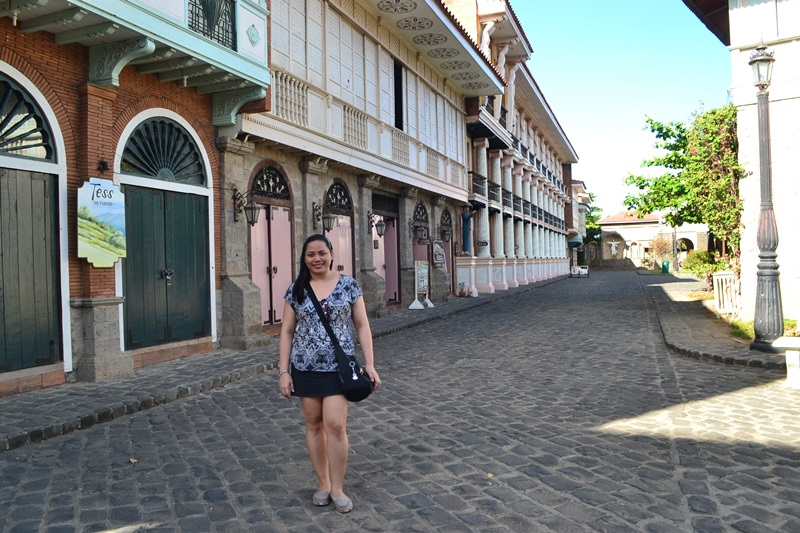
point(315, 384)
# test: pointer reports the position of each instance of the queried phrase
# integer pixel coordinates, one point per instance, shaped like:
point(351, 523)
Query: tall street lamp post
point(768, 323)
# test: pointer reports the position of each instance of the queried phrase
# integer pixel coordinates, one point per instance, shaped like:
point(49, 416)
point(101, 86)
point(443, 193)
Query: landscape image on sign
point(101, 237)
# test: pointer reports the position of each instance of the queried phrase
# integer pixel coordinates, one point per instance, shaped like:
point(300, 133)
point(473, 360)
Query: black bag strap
point(322, 318)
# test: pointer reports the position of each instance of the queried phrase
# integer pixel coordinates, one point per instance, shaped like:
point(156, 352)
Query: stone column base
point(510, 273)
point(465, 276)
point(97, 353)
point(483, 275)
point(240, 325)
point(374, 288)
point(499, 274)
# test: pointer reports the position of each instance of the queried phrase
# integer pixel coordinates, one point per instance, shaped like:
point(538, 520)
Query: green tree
point(701, 181)
point(593, 230)
point(667, 192)
point(713, 173)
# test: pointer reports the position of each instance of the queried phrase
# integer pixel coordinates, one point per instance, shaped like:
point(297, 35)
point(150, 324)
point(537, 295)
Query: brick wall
point(91, 120)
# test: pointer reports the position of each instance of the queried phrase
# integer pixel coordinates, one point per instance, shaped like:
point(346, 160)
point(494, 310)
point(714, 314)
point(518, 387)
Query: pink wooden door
point(260, 271)
point(281, 257)
point(271, 260)
point(379, 250)
point(341, 237)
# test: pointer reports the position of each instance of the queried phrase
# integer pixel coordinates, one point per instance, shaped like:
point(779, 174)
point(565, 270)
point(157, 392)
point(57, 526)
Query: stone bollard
point(792, 347)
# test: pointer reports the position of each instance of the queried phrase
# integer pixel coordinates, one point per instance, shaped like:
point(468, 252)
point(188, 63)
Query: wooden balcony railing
point(508, 199)
point(495, 194)
point(478, 184)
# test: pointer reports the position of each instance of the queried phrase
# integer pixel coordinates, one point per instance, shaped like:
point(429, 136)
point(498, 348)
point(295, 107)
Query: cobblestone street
point(558, 409)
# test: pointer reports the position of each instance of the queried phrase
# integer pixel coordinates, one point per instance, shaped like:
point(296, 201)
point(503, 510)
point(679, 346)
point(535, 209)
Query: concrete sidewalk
point(687, 326)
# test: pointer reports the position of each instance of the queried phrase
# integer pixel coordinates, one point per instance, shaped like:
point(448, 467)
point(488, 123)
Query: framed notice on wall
point(421, 269)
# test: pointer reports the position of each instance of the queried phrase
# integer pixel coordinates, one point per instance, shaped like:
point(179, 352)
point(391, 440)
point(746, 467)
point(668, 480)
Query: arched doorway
point(166, 276)
point(31, 306)
point(386, 249)
point(271, 242)
point(420, 232)
point(339, 204)
point(445, 235)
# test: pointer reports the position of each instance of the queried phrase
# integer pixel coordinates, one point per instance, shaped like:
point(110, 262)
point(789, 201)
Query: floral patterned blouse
point(312, 349)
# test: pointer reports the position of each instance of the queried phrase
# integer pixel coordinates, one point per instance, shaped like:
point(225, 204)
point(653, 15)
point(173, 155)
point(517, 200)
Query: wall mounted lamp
point(445, 232)
point(317, 215)
point(102, 165)
point(417, 230)
point(380, 225)
point(241, 203)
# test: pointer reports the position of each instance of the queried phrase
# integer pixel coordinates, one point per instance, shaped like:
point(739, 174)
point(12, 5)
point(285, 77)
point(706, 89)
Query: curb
point(18, 437)
point(99, 415)
point(752, 362)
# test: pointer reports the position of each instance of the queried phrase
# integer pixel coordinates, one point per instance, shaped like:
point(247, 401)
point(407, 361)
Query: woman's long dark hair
point(299, 288)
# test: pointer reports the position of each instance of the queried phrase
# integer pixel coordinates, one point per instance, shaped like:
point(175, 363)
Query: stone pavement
point(564, 412)
point(687, 327)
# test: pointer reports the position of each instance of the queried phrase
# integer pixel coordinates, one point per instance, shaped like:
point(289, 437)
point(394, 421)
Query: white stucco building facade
point(742, 25)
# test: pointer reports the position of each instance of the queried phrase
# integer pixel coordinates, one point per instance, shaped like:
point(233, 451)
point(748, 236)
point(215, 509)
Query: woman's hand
point(287, 385)
point(373, 376)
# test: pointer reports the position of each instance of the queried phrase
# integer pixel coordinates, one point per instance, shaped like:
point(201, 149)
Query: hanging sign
point(101, 222)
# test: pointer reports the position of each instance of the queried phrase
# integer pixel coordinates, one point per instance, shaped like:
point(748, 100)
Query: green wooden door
point(30, 318)
point(166, 276)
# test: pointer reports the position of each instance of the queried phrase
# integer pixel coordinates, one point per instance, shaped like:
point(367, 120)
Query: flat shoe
point(321, 498)
point(343, 504)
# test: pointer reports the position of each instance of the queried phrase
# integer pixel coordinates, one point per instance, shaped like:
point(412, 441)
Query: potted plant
point(462, 290)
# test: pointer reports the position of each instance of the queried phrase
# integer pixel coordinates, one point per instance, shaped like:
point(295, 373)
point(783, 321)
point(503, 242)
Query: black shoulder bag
point(356, 384)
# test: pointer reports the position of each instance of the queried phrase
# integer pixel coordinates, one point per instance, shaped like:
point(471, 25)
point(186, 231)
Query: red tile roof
point(629, 217)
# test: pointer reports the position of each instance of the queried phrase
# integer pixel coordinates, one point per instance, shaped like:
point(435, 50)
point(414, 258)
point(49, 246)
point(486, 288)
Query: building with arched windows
point(162, 162)
point(110, 203)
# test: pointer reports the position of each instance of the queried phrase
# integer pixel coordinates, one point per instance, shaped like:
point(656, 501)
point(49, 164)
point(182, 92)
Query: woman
point(308, 367)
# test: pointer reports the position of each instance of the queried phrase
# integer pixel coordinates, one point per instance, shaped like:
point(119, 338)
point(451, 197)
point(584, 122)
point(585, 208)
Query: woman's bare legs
point(326, 440)
point(316, 441)
point(334, 413)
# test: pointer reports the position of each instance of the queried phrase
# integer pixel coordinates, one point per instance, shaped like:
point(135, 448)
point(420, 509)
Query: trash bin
point(665, 267)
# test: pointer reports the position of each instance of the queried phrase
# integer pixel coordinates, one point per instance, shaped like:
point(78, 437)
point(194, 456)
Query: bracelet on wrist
point(282, 372)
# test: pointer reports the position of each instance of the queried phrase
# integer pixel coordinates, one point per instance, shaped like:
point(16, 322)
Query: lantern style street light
point(768, 321)
point(244, 203)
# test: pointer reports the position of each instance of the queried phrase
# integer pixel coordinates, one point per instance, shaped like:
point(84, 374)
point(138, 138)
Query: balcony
point(490, 105)
point(192, 43)
point(477, 196)
point(478, 184)
point(495, 193)
point(508, 200)
point(215, 21)
point(518, 204)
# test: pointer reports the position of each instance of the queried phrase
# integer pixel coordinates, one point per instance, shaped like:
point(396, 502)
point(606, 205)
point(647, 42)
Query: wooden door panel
point(166, 231)
point(280, 258)
point(145, 307)
point(187, 256)
point(260, 269)
point(30, 327)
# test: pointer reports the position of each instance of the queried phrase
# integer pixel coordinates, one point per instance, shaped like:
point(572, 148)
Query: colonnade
point(514, 247)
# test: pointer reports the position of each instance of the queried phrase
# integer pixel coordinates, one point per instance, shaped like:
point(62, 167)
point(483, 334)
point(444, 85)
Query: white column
point(497, 243)
point(526, 196)
point(481, 146)
point(508, 185)
point(519, 228)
